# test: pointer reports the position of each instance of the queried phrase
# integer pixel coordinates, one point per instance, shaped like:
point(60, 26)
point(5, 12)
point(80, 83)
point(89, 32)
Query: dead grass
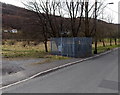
point(18, 50)
point(38, 51)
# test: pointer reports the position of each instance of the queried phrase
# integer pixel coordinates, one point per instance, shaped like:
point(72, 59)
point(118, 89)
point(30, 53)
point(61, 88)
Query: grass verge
point(17, 50)
point(106, 48)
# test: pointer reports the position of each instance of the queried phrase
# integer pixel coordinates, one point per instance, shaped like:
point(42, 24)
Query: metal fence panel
point(72, 47)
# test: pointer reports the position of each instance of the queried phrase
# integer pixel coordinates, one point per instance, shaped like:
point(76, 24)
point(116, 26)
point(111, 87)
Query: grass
point(17, 50)
point(51, 58)
point(101, 49)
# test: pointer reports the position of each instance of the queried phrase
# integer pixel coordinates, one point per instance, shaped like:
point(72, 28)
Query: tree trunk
point(115, 41)
point(110, 42)
point(28, 42)
point(95, 51)
point(103, 43)
point(46, 47)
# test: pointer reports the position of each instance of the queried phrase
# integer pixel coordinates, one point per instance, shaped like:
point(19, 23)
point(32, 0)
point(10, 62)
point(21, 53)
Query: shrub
point(36, 43)
point(11, 42)
point(3, 42)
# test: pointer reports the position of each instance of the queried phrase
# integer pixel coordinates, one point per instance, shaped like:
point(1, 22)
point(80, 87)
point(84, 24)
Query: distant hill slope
point(15, 17)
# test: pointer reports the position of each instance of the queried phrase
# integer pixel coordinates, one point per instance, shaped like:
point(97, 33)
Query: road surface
point(98, 75)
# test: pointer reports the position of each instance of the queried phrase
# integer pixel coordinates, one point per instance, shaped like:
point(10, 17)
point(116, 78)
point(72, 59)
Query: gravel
point(10, 66)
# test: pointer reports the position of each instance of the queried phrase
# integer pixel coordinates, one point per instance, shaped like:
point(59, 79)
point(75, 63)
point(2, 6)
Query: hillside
point(14, 17)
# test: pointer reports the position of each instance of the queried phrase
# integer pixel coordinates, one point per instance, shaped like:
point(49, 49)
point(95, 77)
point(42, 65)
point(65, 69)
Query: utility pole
point(95, 51)
point(86, 19)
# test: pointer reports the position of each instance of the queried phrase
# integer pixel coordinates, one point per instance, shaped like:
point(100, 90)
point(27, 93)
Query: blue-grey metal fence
point(72, 47)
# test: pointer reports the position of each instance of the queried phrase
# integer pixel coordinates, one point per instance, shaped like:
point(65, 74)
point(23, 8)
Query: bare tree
point(92, 12)
point(75, 11)
point(34, 6)
point(110, 20)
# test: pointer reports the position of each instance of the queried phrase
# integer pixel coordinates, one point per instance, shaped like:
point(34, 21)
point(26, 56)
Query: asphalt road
point(98, 75)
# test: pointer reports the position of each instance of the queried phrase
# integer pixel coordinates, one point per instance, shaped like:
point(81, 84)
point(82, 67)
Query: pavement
point(26, 68)
point(96, 75)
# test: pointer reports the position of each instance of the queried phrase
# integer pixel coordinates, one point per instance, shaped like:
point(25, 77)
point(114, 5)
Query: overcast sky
point(110, 9)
